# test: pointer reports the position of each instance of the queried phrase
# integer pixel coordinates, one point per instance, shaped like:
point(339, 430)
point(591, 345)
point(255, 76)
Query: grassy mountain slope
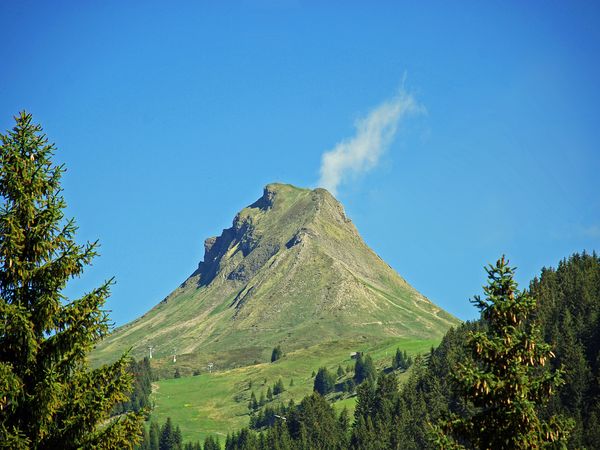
point(292, 270)
point(216, 403)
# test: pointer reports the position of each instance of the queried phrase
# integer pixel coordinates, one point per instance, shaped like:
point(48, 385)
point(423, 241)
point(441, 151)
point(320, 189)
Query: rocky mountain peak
point(290, 264)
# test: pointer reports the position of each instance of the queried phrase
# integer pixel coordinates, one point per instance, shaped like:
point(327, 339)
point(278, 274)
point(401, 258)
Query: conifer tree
point(344, 423)
point(170, 437)
point(314, 425)
point(399, 361)
point(278, 438)
point(145, 442)
point(177, 438)
point(364, 369)
point(324, 382)
point(349, 385)
point(278, 388)
point(49, 398)
point(193, 446)
point(210, 443)
point(506, 378)
point(139, 399)
point(276, 354)
point(365, 401)
point(367, 436)
point(252, 404)
point(154, 436)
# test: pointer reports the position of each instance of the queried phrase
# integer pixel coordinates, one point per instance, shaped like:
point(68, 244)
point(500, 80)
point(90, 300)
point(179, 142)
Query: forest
point(565, 317)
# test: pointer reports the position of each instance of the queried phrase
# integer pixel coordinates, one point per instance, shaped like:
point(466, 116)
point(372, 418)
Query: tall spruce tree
point(324, 382)
point(154, 436)
point(399, 361)
point(506, 378)
point(364, 369)
point(278, 388)
point(49, 398)
point(210, 443)
point(276, 353)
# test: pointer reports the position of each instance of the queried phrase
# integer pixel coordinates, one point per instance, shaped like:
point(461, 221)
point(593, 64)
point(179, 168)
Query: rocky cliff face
point(257, 247)
point(291, 269)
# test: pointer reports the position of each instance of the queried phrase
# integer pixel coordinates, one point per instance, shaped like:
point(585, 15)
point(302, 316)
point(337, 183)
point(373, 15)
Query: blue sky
point(172, 116)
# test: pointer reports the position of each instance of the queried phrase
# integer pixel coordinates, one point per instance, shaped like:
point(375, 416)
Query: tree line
point(543, 343)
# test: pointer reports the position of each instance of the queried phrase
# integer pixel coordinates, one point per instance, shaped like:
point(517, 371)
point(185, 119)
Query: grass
point(216, 403)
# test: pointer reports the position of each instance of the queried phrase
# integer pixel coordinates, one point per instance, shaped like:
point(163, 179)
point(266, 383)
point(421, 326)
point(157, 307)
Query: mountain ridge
point(292, 270)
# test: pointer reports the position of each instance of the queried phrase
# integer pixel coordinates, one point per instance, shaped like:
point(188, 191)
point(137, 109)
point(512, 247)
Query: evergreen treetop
point(48, 396)
point(324, 382)
point(506, 378)
point(276, 354)
point(364, 369)
point(278, 388)
point(401, 360)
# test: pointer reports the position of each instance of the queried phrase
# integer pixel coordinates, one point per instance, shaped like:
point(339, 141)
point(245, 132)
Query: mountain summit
point(292, 270)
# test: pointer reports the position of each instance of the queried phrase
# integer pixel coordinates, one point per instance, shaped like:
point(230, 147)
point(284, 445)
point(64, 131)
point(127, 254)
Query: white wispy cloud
point(374, 134)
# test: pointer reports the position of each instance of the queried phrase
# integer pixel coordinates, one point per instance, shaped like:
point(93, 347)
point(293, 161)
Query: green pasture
point(217, 403)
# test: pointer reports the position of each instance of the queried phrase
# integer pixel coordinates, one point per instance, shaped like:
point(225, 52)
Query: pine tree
point(364, 369)
point(166, 435)
point(314, 425)
point(262, 399)
point(577, 376)
point(269, 394)
point(139, 399)
point(154, 436)
point(506, 377)
point(252, 404)
point(324, 382)
point(568, 300)
point(49, 398)
point(399, 361)
point(170, 436)
point(145, 442)
point(210, 443)
point(349, 385)
point(365, 401)
point(276, 354)
point(278, 388)
point(277, 438)
point(344, 423)
point(192, 446)
point(366, 436)
point(177, 438)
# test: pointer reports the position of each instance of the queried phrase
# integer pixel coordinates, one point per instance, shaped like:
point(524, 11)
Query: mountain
point(292, 270)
